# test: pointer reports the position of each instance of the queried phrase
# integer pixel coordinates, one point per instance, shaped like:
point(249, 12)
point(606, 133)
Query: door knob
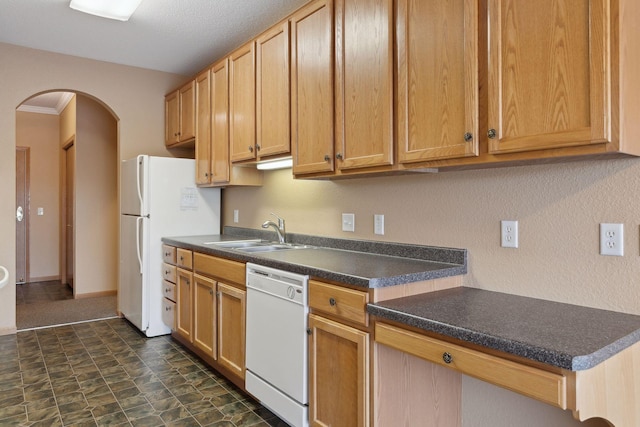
point(19, 214)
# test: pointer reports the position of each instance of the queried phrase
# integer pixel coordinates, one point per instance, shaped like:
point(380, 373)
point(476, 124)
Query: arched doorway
point(73, 208)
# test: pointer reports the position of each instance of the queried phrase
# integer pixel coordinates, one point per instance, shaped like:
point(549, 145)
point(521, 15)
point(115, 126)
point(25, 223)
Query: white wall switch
point(378, 224)
point(509, 234)
point(612, 239)
point(40, 211)
point(236, 216)
point(348, 222)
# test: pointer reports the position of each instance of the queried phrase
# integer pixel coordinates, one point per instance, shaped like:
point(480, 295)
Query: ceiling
point(175, 36)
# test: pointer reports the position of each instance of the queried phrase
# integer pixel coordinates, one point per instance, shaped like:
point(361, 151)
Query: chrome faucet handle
point(280, 221)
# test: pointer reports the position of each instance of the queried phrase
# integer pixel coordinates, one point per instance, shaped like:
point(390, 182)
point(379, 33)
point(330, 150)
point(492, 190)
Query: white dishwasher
point(277, 346)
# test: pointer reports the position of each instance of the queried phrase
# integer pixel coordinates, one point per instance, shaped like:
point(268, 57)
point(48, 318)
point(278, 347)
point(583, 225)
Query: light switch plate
point(348, 222)
point(236, 216)
point(378, 224)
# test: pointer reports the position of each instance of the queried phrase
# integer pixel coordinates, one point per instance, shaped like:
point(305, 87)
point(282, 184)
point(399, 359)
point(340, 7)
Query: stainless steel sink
point(237, 243)
point(269, 248)
point(251, 246)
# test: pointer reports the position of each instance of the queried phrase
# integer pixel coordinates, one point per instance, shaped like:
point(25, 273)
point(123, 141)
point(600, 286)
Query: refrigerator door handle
point(138, 242)
point(138, 167)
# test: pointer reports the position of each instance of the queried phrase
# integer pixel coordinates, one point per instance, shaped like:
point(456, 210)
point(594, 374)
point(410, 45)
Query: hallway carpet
point(51, 313)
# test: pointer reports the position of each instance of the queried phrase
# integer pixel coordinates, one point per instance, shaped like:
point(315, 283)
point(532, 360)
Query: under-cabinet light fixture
point(112, 9)
point(275, 164)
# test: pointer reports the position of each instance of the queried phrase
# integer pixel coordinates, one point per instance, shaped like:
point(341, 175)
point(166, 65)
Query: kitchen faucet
point(279, 227)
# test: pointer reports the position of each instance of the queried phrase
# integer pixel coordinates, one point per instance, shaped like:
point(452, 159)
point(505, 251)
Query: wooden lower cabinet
point(204, 315)
point(231, 328)
point(338, 374)
point(185, 302)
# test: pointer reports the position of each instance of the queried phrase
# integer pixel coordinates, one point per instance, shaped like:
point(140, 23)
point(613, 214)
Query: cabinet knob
point(332, 302)
point(187, 282)
point(166, 290)
point(257, 147)
point(166, 272)
point(309, 331)
point(447, 357)
point(211, 292)
point(492, 133)
point(339, 156)
point(206, 174)
point(468, 137)
point(181, 258)
point(167, 309)
point(167, 253)
point(327, 158)
point(251, 148)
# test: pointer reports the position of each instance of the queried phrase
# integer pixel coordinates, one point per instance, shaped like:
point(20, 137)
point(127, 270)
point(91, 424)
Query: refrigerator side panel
point(131, 293)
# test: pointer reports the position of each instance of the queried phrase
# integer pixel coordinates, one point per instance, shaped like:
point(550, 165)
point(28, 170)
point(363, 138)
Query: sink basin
point(270, 248)
point(237, 243)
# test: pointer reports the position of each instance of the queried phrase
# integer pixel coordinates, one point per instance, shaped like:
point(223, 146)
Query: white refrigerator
point(158, 198)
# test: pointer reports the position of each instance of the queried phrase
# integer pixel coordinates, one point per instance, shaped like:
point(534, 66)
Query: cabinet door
point(220, 122)
point(548, 74)
point(312, 91)
point(231, 328)
point(339, 374)
point(242, 103)
point(203, 128)
point(171, 118)
point(437, 85)
point(273, 95)
point(187, 111)
point(364, 83)
point(184, 303)
point(204, 314)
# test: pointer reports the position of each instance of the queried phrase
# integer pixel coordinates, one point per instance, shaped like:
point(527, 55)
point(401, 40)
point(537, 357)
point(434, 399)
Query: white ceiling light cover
point(112, 9)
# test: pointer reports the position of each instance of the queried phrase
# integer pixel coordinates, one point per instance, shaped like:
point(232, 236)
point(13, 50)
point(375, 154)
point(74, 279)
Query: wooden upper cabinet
point(312, 88)
point(364, 83)
point(179, 115)
point(203, 128)
point(549, 75)
point(437, 83)
point(242, 103)
point(220, 122)
point(273, 94)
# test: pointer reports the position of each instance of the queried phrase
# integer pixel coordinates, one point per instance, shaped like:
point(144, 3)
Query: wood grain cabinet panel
point(549, 74)
point(437, 79)
point(364, 83)
point(220, 163)
point(242, 103)
point(312, 88)
point(231, 328)
point(273, 94)
point(184, 321)
point(179, 115)
point(203, 128)
point(204, 315)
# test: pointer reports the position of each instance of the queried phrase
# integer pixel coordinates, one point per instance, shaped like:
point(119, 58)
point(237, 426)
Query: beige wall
point(40, 132)
point(558, 208)
point(134, 95)
point(96, 213)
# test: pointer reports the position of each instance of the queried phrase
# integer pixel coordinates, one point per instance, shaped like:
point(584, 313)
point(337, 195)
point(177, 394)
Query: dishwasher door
point(277, 342)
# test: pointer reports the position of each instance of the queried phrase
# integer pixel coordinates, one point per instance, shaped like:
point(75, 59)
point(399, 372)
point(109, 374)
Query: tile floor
point(106, 373)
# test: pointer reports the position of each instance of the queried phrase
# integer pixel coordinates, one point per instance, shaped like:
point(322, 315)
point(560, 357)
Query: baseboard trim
point(97, 294)
point(43, 279)
point(8, 331)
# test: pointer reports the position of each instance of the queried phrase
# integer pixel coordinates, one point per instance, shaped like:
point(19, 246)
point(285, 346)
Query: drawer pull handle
point(309, 331)
point(181, 258)
point(332, 302)
point(167, 309)
point(166, 272)
point(166, 290)
point(447, 357)
point(166, 254)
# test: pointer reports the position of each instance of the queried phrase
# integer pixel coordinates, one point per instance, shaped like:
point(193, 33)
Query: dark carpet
point(52, 313)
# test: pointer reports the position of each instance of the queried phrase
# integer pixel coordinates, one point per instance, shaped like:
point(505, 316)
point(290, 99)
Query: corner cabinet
point(179, 115)
point(549, 74)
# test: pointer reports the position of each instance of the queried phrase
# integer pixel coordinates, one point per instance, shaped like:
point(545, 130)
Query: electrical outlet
point(509, 234)
point(348, 222)
point(236, 216)
point(378, 224)
point(612, 239)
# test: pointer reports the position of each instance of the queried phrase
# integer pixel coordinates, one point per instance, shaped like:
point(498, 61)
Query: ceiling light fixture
point(112, 9)
point(275, 164)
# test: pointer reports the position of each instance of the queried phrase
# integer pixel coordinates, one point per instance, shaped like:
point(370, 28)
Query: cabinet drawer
point(536, 383)
point(222, 269)
point(169, 254)
point(169, 290)
point(184, 258)
point(168, 313)
point(169, 272)
point(346, 303)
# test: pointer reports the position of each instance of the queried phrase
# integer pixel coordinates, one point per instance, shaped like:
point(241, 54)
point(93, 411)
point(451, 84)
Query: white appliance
point(158, 198)
point(277, 343)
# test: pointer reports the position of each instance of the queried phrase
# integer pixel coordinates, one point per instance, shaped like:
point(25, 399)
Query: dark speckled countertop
point(558, 334)
point(369, 264)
